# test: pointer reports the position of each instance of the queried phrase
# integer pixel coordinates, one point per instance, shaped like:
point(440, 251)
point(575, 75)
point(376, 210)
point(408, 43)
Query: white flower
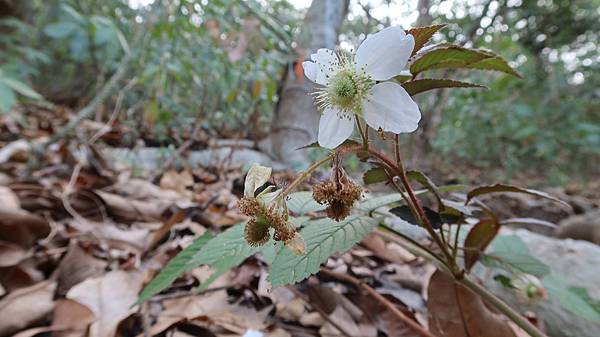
point(351, 88)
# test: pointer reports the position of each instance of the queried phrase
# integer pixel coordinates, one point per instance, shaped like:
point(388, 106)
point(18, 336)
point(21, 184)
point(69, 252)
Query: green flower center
point(347, 87)
point(343, 88)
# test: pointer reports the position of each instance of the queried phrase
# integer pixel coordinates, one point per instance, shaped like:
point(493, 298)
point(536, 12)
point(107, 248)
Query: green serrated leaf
point(426, 84)
point(447, 56)
point(303, 202)
point(423, 35)
point(220, 268)
point(21, 88)
point(569, 298)
point(375, 175)
point(228, 243)
point(500, 188)
point(177, 266)
point(323, 238)
point(496, 64)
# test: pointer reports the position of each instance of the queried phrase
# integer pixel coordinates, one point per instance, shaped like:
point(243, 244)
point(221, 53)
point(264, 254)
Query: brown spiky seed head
point(256, 231)
point(324, 192)
point(337, 210)
point(249, 206)
point(339, 196)
point(284, 232)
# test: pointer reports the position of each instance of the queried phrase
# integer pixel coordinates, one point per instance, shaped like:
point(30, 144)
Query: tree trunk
point(296, 119)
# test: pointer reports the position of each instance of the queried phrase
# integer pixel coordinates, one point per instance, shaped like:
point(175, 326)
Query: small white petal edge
point(390, 107)
point(333, 129)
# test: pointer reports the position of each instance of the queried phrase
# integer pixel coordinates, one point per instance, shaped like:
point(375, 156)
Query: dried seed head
point(249, 206)
point(284, 232)
point(256, 231)
point(337, 210)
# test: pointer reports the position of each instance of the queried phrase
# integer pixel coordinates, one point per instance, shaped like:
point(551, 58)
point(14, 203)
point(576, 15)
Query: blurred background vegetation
point(220, 64)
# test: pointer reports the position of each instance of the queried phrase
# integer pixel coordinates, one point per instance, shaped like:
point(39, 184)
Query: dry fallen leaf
point(29, 305)
point(389, 251)
point(9, 201)
point(76, 266)
point(109, 297)
point(72, 317)
point(11, 254)
point(455, 311)
point(176, 181)
point(23, 229)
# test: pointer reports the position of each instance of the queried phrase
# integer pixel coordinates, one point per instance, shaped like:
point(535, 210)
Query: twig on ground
point(115, 114)
point(377, 296)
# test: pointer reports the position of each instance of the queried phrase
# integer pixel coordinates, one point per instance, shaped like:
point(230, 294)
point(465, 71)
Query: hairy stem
point(299, 179)
point(398, 169)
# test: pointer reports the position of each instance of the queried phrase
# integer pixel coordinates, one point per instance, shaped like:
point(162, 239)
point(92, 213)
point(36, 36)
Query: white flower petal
point(390, 107)
point(333, 129)
point(310, 70)
point(326, 63)
point(384, 54)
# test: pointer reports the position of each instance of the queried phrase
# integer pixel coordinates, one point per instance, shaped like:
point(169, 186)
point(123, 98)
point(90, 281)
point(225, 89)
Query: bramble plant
point(376, 84)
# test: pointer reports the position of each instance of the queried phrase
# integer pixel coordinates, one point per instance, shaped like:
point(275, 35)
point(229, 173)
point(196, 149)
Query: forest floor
point(79, 240)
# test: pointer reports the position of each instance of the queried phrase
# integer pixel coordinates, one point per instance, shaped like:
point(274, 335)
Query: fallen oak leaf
point(109, 297)
point(29, 304)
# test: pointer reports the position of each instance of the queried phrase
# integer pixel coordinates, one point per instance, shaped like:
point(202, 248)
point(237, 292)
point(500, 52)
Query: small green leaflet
point(303, 202)
point(323, 238)
point(452, 56)
point(426, 84)
point(446, 56)
point(509, 252)
point(177, 266)
point(375, 175)
point(499, 188)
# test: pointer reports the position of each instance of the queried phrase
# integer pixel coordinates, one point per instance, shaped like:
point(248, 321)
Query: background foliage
point(218, 63)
